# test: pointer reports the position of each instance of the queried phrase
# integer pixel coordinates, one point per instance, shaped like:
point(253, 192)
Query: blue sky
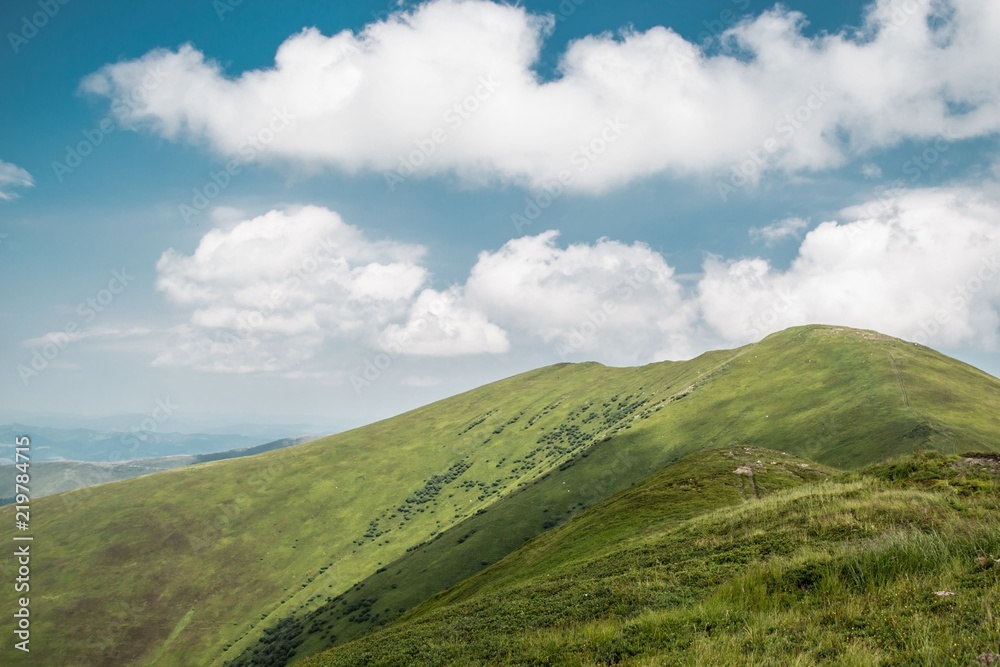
point(877, 207)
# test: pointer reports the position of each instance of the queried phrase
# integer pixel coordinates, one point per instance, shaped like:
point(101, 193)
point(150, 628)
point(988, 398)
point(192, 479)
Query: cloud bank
point(449, 88)
point(266, 293)
point(270, 293)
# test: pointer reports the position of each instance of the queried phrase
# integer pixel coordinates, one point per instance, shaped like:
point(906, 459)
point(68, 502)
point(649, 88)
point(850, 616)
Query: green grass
point(486, 538)
point(838, 572)
point(251, 543)
point(173, 635)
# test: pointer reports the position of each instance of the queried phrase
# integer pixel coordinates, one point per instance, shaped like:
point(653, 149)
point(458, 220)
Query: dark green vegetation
point(49, 477)
point(251, 451)
point(323, 542)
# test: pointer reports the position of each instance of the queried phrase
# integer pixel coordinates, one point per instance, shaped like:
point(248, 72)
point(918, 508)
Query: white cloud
point(618, 301)
point(364, 101)
point(12, 178)
point(440, 324)
point(266, 293)
point(779, 231)
point(222, 215)
point(921, 265)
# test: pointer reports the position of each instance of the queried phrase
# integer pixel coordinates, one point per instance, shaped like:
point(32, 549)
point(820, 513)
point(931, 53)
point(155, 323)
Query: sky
point(329, 213)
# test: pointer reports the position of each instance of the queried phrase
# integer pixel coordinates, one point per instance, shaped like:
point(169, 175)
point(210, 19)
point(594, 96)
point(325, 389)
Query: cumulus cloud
point(449, 87)
point(920, 264)
point(621, 302)
point(440, 324)
point(923, 265)
point(267, 292)
point(13, 178)
point(779, 231)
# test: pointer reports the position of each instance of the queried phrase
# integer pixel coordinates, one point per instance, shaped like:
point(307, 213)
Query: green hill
point(192, 566)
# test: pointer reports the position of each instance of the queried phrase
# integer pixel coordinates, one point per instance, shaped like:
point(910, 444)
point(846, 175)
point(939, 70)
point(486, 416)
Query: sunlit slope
point(189, 566)
point(899, 565)
point(836, 396)
point(486, 538)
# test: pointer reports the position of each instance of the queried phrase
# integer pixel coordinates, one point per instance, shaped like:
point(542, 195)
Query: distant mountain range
point(78, 444)
point(49, 477)
point(825, 496)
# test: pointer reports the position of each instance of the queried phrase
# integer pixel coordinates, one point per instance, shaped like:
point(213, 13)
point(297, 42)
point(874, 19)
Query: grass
point(852, 570)
point(486, 538)
point(173, 635)
point(260, 543)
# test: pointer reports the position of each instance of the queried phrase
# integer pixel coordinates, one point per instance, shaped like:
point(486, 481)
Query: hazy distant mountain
point(78, 444)
point(52, 477)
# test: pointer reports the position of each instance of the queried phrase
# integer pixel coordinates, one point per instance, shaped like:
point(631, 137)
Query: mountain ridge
point(243, 543)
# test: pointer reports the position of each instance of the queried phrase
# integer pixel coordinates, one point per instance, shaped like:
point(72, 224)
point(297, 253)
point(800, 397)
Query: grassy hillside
point(486, 538)
point(191, 566)
point(896, 565)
